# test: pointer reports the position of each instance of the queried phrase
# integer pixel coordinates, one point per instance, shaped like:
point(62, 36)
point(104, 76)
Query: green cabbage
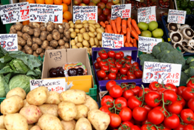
point(3, 85)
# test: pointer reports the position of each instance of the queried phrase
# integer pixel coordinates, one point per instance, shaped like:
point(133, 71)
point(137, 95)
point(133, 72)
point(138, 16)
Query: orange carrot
point(129, 23)
point(131, 39)
point(125, 38)
point(106, 22)
point(128, 35)
point(126, 44)
point(134, 43)
point(134, 34)
point(124, 26)
point(113, 26)
point(118, 24)
point(130, 44)
point(132, 28)
point(106, 30)
point(135, 26)
point(102, 24)
point(109, 29)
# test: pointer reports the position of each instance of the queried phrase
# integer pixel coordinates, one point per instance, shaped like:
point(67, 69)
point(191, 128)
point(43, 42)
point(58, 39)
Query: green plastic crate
point(1, 99)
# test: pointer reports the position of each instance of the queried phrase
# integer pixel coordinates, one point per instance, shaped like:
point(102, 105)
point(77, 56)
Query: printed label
point(112, 40)
point(9, 42)
point(146, 14)
point(123, 11)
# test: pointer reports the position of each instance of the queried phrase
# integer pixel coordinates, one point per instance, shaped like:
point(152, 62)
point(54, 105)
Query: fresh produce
point(186, 5)
point(17, 91)
point(188, 68)
point(56, 72)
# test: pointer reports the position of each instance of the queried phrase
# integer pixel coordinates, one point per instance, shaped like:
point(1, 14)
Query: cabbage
point(21, 81)
point(3, 85)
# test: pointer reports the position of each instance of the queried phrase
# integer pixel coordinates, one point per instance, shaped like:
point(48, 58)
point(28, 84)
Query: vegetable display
point(186, 5)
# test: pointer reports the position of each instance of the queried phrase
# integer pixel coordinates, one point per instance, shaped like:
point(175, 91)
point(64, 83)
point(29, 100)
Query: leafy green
point(3, 86)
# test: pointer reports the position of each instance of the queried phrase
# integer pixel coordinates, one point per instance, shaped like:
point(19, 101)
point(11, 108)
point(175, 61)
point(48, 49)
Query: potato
point(91, 34)
point(53, 43)
point(43, 28)
point(77, 30)
point(91, 21)
point(72, 42)
point(49, 37)
point(37, 40)
point(30, 126)
point(97, 25)
point(35, 46)
point(42, 54)
point(74, 47)
point(85, 43)
point(61, 42)
point(39, 51)
point(73, 34)
point(67, 111)
point(67, 45)
point(2, 122)
point(12, 104)
point(53, 98)
point(17, 91)
point(79, 45)
point(67, 34)
point(18, 26)
point(45, 44)
point(37, 96)
point(60, 28)
point(83, 124)
point(82, 111)
point(99, 30)
point(15, 122)
point(91, 41)
point(21, 41)
point(71, 30)
point(66, 26)
point(99, 119)
point(96, 41)
point(37, 32)
point(78, 22)
point(99, 36)
point(86, 36)
point(50, 27)
point(49, 48)
point(50, 122)
point(93, 26)
point(85, 22)
point(90, 103)
point(78, 26)
point(71, 25)
point(100, 43)
point(82, 30)
point(29, 42)
point(19, 33)
point(35, 128)
point(26, 103)
point(34, 25)
point(56, 35)
point(76, 39)
point(68, 125)
point(74, 96)
point(80, 38)
point(51, 109)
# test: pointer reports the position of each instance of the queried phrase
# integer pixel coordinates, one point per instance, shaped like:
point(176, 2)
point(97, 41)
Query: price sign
point(176, 16)
point(123, 11)
point(13, 13)
point(9, 42)
point(58, 85)
point(168, 73)
point(146, 14)
point(146, 44)
point(46, 13)
point(85, 13)
point(112, 40)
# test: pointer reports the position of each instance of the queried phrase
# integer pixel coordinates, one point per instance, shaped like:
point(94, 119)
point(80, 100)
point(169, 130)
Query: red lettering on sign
point(91, 16)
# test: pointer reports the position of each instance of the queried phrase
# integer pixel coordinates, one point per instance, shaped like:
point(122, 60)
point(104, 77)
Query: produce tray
point(1, 99)
point(164, 21)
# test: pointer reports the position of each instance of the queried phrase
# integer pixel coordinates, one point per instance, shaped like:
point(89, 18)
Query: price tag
point(123, 11)
point(85, 13)
point(146, 44)
point(112, 40)
point(46, 13)
point(58, 85)
point(146, 14)
point(9, 42)
point(176, 16)
point(13, 13)
point(168, 73)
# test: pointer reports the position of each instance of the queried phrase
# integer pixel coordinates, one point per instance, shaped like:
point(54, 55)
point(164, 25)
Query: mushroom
point(176, 37)
point(188, 33)
point(184, 42)
point(183, 27)
point(190, 46)
point(180, 46)
point(172, 27)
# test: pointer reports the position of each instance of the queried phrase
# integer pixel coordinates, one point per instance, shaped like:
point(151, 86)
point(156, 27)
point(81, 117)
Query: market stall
point(97, 65)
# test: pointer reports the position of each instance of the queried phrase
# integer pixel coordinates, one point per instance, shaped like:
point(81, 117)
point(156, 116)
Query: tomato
point(118, 66)
point(115, 120)
point(160, 109)
point(102, 63)
point(152, 99)
point(123, 77)
point(110, 84)
point(103, 55)
point(124, 86)
point(105, 109)
point(105, 68)
point(191, 104)
point(138, 74)
point(155, 85)
point(106, 78)
point(190, 82)
point(107, 101)
point(175, 107)
point(111, 54)
point(120, 103)
point(131, 77)
point(135, 127)
point(127, 123)
point(171, 87)
point(99, 59)
point(188, 127)
point(187, 115)
point(123, 70)
point(180, 127)
point(148, 127)
point(96, 65)
point(128, 93)
point(188, 93)
point(128, 57)
point(115, 91)
point(113, 70)
point(161, 90)
point(112, 76)
point(146, 90)
point(163, 128)
point(118, 55)
point(135, 89)
point(155, 116)
point(181, 100)
point(172, 122)
point(136, 64)
point(147, 108)
point(129, 73)
point(123, 61)
point(101, 74)
point(139, 113)
point(127, 65)
point(170, 95)
point(125, 114)
point(180, 90)
point(122, 54)
point(133, 102)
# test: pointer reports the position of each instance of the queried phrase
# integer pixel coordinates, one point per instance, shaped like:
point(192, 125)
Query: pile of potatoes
point(35, 38)
point(44, 110)
point(86, 34)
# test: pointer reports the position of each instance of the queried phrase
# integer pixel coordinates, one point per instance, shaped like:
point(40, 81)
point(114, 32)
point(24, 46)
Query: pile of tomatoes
point(159, 107)
point(114, 66)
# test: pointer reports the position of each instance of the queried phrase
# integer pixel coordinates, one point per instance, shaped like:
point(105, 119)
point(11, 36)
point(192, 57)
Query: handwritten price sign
point(85, 13)
point(146, 14)
point(123, 11)
point(9, 42)
point(176, 16)
point(112, 40)
point(168, 73)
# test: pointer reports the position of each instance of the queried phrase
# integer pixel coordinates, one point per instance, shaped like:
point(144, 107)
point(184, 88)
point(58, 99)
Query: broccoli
point(190, 71)
point(145, 57)
point(185, 67)
point(191, 64)
point(189, 60)
point(183, 78)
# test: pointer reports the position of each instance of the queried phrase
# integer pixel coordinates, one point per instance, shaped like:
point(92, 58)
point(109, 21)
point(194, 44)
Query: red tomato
point(120, 103)
point(106, 78)
point(116, 91)
point(115, 120)
point(170, 95)
point(146, 90)
point(105, 109)
point(96, 65)
point(152, 99)
point(128, 57)
point(180, 90)
point(111, 54)
point(188, 127)
point(113, 70)
point(107, 101)
point(125, 114)
point(118, 66)
point(122, 54)
point(135, 89)
point(127, 65)
point(133, 102)
point(123, 77)
point(190, 82)
point(129, 73)
point(128, 93)
point(127, 123)
point(187, 115)
point(123, 61)
point(103, 55)
point(147, 108)
point(105, 68)
point(172, 122)
point(188, 93)
point(155, 86)
point(123, 70)
point(163, 128)
point(181, 100)
point(155, 116)
point(161, 109)
point(171, 87)
point(118, 55)
point(101, 74)
point(139, 113)
point(136, 64)
point(131, 77)
point(191, 104)
point(99, 59)
point(138, 74)
point(102, 63)
point(110, 84)
point(175, 107)
point(148, 127)
point(180, 127)
point(160, 90)
point(112, 76)
point(135, 127)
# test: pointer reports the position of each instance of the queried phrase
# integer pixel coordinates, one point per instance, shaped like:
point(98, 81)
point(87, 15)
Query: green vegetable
point(184, 5)
point(191, 4)
point(183, 78)
point(188, 11)
point(3, 85)
point(189, 60)
point(190, 71)
point(18, 66)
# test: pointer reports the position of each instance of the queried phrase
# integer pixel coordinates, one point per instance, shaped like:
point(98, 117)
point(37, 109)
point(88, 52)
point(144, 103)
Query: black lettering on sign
point(56, 55)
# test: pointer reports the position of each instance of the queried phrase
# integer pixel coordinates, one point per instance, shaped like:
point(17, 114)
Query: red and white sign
point(176, 16)
point(123, 11)
point(146, 14)
point(9, 42)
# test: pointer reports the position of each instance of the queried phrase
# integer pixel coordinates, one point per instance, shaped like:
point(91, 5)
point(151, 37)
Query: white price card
point(112, 40)
point(146, 44)
point(58, 85)
point(176, 16)
point(123, 11)
point(85, 13)
point(46, 13)
point(167, 72)
point(9, 42)
point(13, 13)
point(146, 14)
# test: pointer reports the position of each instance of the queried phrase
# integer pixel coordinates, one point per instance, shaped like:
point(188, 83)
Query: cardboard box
point(58, 57)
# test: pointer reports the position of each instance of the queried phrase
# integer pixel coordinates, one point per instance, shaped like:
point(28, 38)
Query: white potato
point(26, 103)
point(90, 103)
point(82, 111)
point(53, 98)
point(68, 125)
point(35, 128)
point(16, 91)
point(2, 122)
point(49, 109)
point(83, 124)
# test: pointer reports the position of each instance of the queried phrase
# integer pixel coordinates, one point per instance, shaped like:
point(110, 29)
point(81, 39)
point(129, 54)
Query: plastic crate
point(1, 99)
point(164, 21)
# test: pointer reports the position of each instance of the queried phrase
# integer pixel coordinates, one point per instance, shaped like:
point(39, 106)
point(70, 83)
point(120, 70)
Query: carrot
point(135, 26)
point(109, 29)
point(113, 26)
point(126, 44)
point(132, 28)
point(128, 35)
point(130, 45)
point(106, 30)
point(134, 34)
point(131, 39)
point(129, 23)
point(124, 26)
point(134, 43)
point(118, 24)
point(125, 38)
point(106, 22)
point(102, 24)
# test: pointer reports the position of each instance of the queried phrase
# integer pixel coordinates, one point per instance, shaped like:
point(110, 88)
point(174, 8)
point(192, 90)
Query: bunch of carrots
point(128, 28)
